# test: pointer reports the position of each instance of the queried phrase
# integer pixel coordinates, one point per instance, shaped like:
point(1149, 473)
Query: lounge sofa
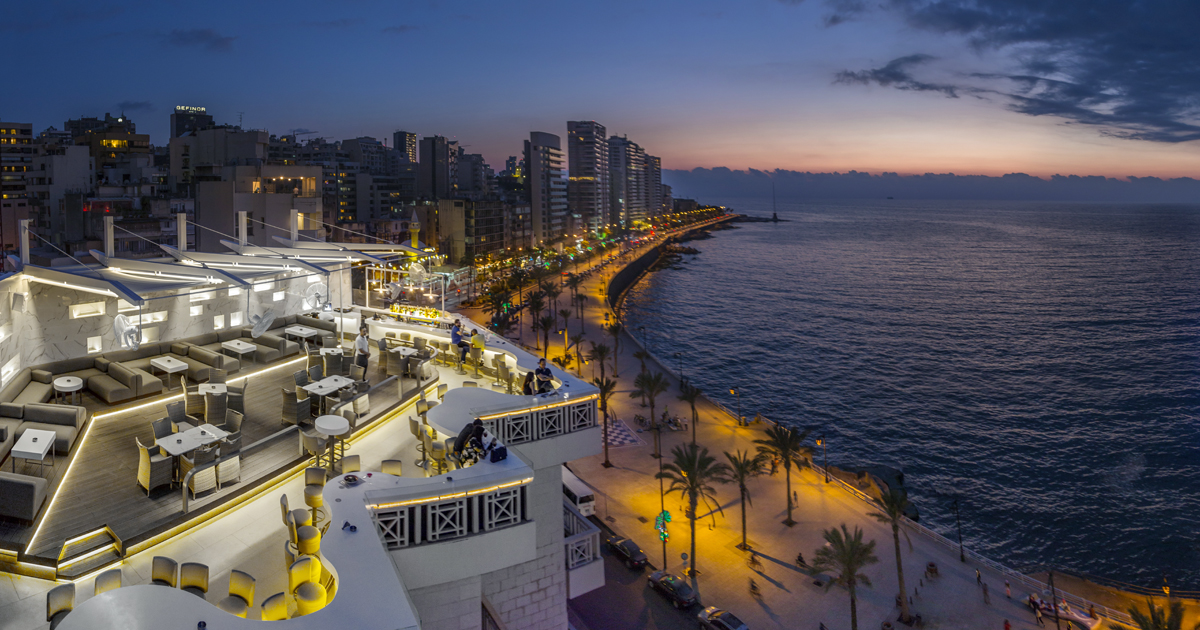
point(64, 420)
point(8, 437)
point(327, 329)
point(268, 347)
point(21, 496)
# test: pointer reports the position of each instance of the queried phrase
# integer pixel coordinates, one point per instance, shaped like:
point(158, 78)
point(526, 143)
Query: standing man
point(362, 347)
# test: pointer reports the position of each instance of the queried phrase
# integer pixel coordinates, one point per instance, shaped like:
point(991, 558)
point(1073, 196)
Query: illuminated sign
point(184, 109)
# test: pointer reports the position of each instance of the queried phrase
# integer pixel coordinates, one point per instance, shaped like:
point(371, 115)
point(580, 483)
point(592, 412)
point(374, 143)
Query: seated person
point(456, 339)
point(528, 387)
point(477, 342)
point(543, 376)
point(464, 436)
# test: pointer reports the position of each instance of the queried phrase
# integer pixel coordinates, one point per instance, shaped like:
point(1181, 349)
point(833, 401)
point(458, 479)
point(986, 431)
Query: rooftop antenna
point(240, 118)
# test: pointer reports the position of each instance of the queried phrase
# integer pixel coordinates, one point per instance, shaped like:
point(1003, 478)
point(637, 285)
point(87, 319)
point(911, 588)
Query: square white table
point(304, 332)
point(34, 444)
point(328, 351)
point(240, 347)
point(328, 385)
point(404, 351)
point(213, 388)
point(170, 365)
point(186, 441)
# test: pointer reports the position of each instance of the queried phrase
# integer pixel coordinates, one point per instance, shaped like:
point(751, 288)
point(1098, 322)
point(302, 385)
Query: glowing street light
point(738, 393)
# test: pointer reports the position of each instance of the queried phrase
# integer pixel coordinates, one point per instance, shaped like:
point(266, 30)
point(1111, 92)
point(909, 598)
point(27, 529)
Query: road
point(626, 602)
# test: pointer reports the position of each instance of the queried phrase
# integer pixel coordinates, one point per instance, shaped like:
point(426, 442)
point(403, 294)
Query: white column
point(24, 230)
point(181, 242)
point(108, 236)
point(294, 224)
point(241, 227)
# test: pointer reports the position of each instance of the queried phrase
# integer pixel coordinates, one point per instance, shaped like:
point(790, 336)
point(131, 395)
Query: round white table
point(332, 426)
point(68, 385)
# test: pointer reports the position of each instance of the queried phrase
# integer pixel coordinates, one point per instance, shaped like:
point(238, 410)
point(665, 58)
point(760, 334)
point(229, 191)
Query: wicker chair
point(153, 470)
point(316, 372)
point(358, 374)
point(237, 396)
point(217, 375)
point(214, 408)
point(177, 414)
point(194, 400)
point(383, 353)
point(295, 411)
point(205, 479)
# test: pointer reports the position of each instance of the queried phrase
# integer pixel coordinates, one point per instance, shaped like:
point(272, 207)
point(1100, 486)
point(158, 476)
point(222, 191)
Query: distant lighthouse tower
point(414, 229)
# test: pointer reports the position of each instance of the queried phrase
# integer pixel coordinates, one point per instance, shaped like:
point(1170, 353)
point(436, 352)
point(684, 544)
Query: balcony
point(585, 566)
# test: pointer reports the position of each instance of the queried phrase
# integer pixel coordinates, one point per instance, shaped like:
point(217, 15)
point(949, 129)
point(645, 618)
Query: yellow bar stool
point(308, 540)
point(274, 608)
point(310, 598)
point(314, 489)
point(302, 517)
point(392, 467)
point(302, 571)
point(241, 594)
point(439, 457)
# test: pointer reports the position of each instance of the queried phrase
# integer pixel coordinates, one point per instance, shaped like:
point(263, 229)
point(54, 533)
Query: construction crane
point(301, 132)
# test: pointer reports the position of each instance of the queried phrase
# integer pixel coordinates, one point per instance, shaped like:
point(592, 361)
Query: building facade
point(588, 188)
point(627, 168)
point(187, 118)
point(546, 185)
point(437, 172)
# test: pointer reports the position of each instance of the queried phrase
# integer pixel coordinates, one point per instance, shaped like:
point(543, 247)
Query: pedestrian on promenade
point(1007, 590)
point(795, 498)
point(800, 560)
point(978, 578)
point(1037, 612)
point(986, 598)
point(1007, 626)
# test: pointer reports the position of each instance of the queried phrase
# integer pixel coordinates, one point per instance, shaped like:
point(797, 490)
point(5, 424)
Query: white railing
point(1010, 574)
point(582, 538)
point(521, 426)
point(437, 519)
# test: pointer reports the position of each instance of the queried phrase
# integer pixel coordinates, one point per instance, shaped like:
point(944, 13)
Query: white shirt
point(362, 344)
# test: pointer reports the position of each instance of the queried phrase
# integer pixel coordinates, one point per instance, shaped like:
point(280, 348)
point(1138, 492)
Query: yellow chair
point(308, 540)
point(289, 553)
point(107, 581)
point(241, 594)
point(314, 489)
point(164, 572)
point(302, 571)
point(392, 467)
point(193, 578)
point(274, 608)
point(59, 601)
point(302, 516)
point(310, 597)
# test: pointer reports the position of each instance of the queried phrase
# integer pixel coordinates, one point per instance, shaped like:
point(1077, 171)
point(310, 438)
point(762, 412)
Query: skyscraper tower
point(546, 186)
point(588, 185)
point(406, 144)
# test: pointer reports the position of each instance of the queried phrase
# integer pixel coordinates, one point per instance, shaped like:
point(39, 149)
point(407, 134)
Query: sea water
point(1038, 362)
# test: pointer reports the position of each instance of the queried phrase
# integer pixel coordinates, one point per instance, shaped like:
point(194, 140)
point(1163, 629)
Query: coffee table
point(34, 444)
point(304, 332)
point(213, 388)
point(68, 385)
point(328, 351)
point(170, 365)
point(240, 348)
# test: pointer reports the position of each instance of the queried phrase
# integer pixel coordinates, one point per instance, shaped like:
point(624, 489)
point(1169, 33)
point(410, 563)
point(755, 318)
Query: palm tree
point(546, 324)
point(577, 344)
point(690, 394)
point(846, 555)
point(691, 473)
point(1155, 618)
point(742, 467)
point(573, 283)
point(536, 302)
point(649, 386)
point(614, 330)
point(566, 317)
point(607, 388)
point(580, 301)
point(642, 356)
point(783, 443)
point(599, 354)
point(895, 504)
point(551, 292)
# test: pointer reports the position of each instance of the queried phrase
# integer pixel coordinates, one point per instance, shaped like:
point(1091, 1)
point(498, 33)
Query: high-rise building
point(17, 152)
point(187, 118)
point(588, 187)
point(437, 172)
point(406, 144)
point(203, 154)
point(627, 168)
point(81, 126)
point(369, 153)
point(476, 179)
point(654, 186)
point(546, 185)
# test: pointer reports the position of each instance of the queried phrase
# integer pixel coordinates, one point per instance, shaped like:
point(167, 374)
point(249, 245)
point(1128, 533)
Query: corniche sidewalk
point(628, 501)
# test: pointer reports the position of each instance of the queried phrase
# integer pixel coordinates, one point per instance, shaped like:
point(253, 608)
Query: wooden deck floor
point(102, 487)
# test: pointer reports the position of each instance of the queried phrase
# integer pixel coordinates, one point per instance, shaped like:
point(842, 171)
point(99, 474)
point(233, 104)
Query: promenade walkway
point(628, 501)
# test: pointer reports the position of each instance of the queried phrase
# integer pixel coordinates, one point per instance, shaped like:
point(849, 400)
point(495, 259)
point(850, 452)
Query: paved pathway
point(628, 501)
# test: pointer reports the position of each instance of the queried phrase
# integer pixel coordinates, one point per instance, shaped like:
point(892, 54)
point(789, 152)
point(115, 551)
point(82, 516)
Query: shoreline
point(1115, 595)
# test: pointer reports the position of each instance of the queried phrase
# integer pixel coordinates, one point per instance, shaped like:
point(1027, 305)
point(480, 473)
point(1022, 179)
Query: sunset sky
point(971, 87)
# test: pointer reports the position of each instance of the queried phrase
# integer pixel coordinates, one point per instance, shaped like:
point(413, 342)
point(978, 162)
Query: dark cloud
point(135, 106)
point(709, 183)
point(897, 73)
point(843, 11)
point(205, 38)
point(399, 29)
point(1130, 69)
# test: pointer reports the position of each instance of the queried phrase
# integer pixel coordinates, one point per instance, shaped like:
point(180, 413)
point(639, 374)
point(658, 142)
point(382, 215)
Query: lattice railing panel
point(424, 523)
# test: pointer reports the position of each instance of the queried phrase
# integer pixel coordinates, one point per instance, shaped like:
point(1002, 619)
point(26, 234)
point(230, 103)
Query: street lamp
point(824, 455)
point(679, 355)
point(962, 557)
point(738, 393)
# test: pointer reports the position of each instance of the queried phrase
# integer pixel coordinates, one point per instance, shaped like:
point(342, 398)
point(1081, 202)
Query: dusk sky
point(1090, 87)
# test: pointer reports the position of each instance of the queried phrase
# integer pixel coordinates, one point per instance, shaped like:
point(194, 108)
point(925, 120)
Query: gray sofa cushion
point(12, 410)
point(101, 363)
point(8, 437)
point(71, 365)
point(64, 436)
point(229, 335)
point(83, 374)
point(16, 386)
point(21, 496)
point(109, 388)
point(41, 376)
point(35, 392)
point(180, 348)
point(139, 364)
point(203, 340)
point(147, 383)
point(66, 415)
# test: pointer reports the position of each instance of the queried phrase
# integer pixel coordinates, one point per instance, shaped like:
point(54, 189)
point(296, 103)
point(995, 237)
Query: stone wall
point(449, 606)
point(532, 595)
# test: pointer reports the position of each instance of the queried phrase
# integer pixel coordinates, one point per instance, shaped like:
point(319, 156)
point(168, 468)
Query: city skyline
point(985, 87)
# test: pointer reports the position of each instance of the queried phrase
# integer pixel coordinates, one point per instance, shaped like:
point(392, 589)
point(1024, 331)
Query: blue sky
point(964, 86)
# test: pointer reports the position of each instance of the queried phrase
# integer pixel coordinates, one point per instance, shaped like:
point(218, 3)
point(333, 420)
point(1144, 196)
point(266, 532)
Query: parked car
point(713, 618)
point(630, 552)
point(674, 588)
